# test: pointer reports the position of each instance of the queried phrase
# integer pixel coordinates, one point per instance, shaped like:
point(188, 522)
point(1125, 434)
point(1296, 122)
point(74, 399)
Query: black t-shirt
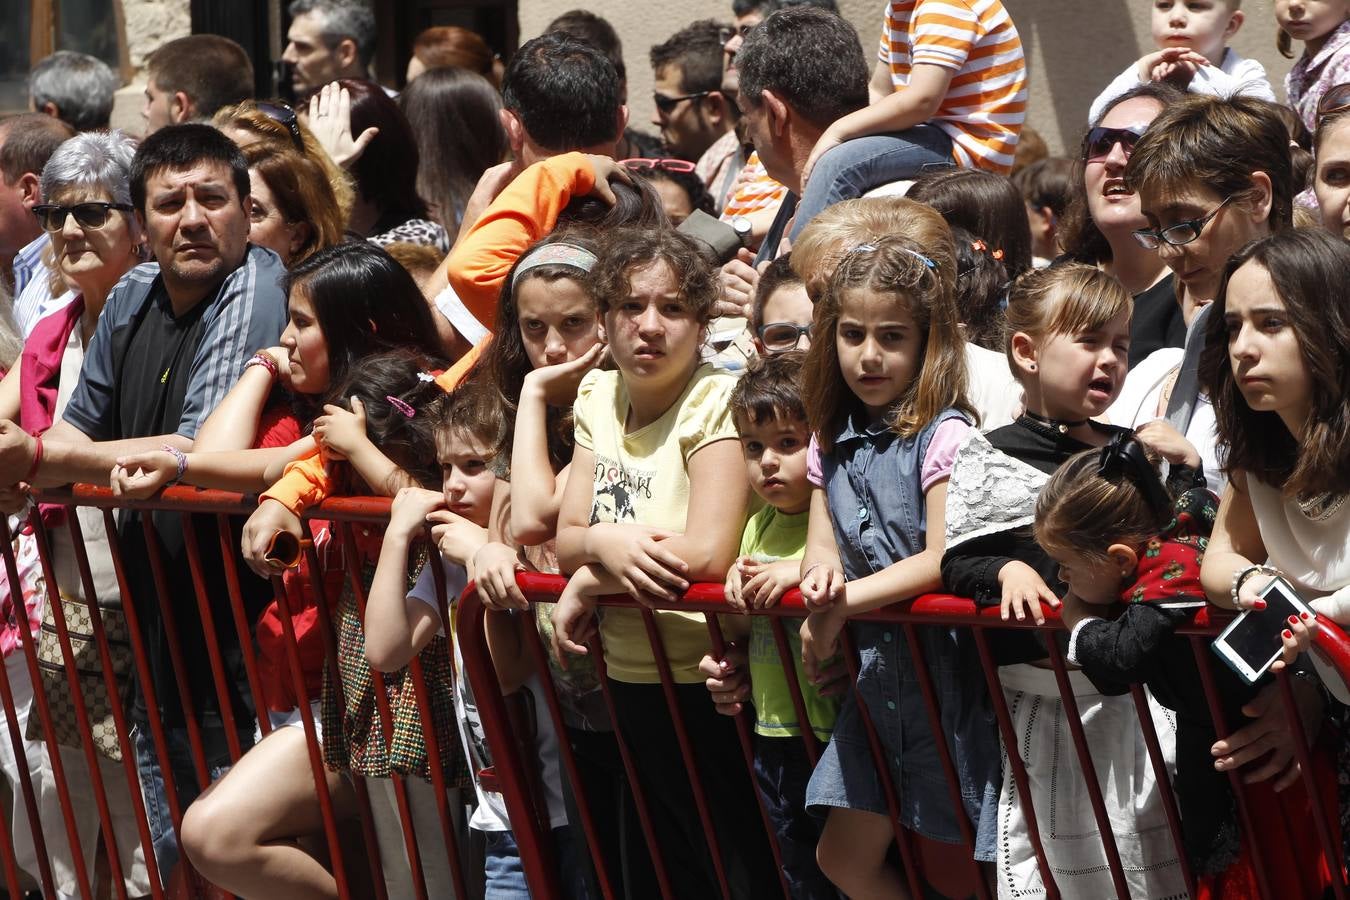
point(1157, 321)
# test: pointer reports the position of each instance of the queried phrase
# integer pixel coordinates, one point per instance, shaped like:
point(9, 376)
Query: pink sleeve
point(941, 456)
point(813, 470)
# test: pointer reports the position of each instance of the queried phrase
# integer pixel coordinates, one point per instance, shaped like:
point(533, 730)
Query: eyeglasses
point(1177, 235)
point(1336, 100)
point(92, 215)
point(726, 32)
point(666, 104)
point(1100, 141)
point(285, 116)
point(780, 336)
point(640, 164)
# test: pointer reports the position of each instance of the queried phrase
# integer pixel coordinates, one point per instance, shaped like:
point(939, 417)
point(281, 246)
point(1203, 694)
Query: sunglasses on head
point(285, 116)
point(1101, 140)
point(91, 215)
point(640, 164)
point(667, 104)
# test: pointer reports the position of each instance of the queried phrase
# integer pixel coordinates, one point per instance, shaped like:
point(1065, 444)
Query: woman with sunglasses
point(95, 241)
point(1103, 213)
point(1331, 150)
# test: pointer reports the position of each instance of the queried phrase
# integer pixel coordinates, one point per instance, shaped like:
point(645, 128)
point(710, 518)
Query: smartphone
point(1251, 642)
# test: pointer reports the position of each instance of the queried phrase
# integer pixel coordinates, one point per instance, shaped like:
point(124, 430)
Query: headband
point(1123, 456)
point(871, 248)
point(557, 254)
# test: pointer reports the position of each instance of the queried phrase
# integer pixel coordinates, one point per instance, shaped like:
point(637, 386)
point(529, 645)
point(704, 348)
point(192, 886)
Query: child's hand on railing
point(270, 517)
point(766, 583)
point(457, 539)
point(1023, 591)
point(140, 475)
point(573, 621)
point(820, 642)
point(821, 585)
point(409, 511)
point(633, 554)
point(494, 571)
point(728, 679)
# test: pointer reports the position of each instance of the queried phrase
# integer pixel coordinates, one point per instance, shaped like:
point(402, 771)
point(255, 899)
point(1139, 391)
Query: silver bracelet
point(1241, 575)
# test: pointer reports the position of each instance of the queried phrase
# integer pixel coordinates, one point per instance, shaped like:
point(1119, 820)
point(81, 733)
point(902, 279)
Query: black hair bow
point(1124, 456)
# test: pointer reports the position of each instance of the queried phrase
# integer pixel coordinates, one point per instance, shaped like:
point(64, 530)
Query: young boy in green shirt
point(771, 422)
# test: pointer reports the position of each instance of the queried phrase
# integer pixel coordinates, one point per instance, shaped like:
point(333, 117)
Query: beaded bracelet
point(1241, 575)
point(182, 462)
point(266, 361)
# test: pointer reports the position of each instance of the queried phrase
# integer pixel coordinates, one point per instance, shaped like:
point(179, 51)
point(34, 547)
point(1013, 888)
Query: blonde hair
point(919, 276)
point(1064, 299)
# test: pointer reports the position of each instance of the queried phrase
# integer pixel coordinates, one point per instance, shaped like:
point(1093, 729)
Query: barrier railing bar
point(326, 628)
point(930, 703)
point(241, 624)
point(386, 717)
point(119, 715)
point(1088, 768)
point(1303, 754)
point(15, 738)
point(1015, 762)
point(1234, 779)
point(745, 734)
point(212, 640)
point(1169, 799)
point(785, 658)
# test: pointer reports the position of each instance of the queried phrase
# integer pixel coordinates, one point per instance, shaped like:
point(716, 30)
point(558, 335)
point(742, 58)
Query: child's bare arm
point(398, 627)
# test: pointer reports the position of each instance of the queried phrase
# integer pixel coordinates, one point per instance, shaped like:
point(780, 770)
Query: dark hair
point(634, 247)
point(1217, 143)
point(471, 409)
point(771, 388)
point(1301, 146)
point(180, 147)
point(1078, 235)
point(746, 7)
point(981, 289)
point(1046, 183)
point(342, 20)
point(635, 204)
point(810, 58)
point(302, 193)
point(691, 184)
point(212, 70)
point(565, 92)
point(778, 274)
point(408, 441)
point(30, 140)
point(1084, 511)
point(386, 173)
point(1307, 267)
point(586, 26)
point(986, 205)
point(697, 50)
point(450, 45)
point(364, 303)
point(453, 116)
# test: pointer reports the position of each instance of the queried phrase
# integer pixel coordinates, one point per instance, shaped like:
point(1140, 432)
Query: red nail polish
point(1293, 620)
point(1288, 633)
point(1304, 616)
point(1258, 604)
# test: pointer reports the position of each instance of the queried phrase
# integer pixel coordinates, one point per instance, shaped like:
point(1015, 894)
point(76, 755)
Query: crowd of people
point(842, 327)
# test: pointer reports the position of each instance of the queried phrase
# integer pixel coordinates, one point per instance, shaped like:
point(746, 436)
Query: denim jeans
point(505, 874)
point(162, 833)
point(857, 166)
point(782, 770)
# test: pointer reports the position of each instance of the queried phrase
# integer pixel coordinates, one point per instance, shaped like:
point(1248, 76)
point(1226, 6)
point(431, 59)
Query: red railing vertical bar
point(597, 653)
point(785, 657)
point(208, 622)
point(386, 717)
point(7, 858)
point(539, 656)
point(1160, 773)
point(745, 733)
point(316, 766)
point(15, 738)
point(1303, 754)
point(120, 724)
point(1089, 769)
point(190, 723)
point(930, 703)
point(91, 759)
point(1021, 781)
point(242, 626)
point(691, 766)
point(882, 763)
point(326, 628)
point(1247, 825)
point(535, 846)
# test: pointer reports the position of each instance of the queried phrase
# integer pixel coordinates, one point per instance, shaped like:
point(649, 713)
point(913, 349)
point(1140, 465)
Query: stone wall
point(149, 24)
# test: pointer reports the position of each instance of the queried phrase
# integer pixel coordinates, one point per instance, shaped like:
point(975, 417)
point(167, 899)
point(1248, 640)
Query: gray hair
point(79, 85)
point(342, 19)
point(97, 159)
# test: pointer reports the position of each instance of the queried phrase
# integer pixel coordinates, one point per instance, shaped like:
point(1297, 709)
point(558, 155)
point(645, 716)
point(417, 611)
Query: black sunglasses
point(666, 104)
point(1100, 141)
point(90, 215)
point(285, 116)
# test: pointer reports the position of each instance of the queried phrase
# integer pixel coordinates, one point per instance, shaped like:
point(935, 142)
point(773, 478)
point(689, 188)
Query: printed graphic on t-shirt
point(617, 491)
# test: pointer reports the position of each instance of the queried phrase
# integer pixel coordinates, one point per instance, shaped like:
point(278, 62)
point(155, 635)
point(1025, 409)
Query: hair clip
point(981, 247)
point(1124, 456)
point(400, 405)
point(425, 377)
point(862, 248)
point(998, 254)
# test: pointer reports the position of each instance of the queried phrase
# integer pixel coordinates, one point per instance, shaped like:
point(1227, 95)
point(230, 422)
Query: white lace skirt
point(1068, 830)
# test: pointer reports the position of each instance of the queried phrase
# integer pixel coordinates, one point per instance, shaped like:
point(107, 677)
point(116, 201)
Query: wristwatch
point(741, 225)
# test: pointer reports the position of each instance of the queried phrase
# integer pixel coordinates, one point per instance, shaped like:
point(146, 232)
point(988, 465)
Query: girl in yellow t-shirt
point(664, 507)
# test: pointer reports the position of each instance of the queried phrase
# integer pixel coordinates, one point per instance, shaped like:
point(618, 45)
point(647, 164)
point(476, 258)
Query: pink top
point(937, 463)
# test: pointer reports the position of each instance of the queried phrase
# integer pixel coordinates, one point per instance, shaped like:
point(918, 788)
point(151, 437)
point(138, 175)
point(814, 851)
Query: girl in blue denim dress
point(885, 392)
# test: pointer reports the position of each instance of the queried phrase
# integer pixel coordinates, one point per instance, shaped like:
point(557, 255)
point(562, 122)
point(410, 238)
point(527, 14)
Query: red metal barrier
point(929, 610)
point(955, 867)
